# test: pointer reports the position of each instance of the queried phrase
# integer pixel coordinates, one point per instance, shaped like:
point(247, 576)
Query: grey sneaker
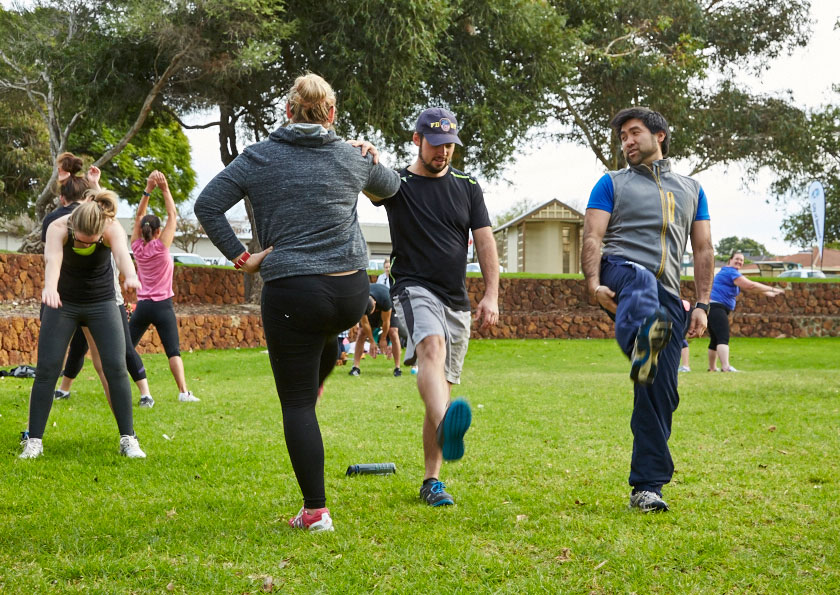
point(648, 502)
point(188, 397)
point(32, 448)
point(147, 401)
point(354, 371)
point(652, 338)
point(434, 493)
point(59, 394)
point(130, 447)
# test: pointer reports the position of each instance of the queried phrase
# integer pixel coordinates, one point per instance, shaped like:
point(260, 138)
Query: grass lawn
point(541, 493)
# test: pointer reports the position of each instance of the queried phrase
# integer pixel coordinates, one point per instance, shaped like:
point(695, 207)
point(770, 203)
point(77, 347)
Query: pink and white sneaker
point(320, 520)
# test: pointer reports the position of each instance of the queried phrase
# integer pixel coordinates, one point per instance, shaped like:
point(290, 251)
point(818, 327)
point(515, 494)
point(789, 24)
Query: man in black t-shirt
point(430, 219)
point(378, 316)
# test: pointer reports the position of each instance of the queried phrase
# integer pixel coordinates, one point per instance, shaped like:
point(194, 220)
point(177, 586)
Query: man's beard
point(429, 166)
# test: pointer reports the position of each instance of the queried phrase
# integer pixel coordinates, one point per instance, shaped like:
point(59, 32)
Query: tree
point(725, 247)
point(24, 156)
point(818, 159)
point(64, 59)
point(188, 231)
point(661, 54)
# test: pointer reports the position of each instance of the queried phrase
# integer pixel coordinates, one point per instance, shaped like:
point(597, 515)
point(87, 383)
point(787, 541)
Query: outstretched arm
point(53, 257)
point(141, 208)
point(750, 285)
point(168, 233)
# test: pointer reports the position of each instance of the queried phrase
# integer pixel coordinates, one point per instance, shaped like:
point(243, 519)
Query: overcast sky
point(568, 172)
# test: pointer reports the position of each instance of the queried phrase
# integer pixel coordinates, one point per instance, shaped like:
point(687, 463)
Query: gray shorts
point(424, 314)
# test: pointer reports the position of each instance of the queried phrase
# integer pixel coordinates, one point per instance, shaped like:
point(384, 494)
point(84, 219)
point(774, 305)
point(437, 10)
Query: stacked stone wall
point(212, 315)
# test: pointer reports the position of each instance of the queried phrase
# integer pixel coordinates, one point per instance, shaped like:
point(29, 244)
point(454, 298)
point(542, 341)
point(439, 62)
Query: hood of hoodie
point(308, 135)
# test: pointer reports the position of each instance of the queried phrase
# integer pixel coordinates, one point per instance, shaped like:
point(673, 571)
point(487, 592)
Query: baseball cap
point(438, 126)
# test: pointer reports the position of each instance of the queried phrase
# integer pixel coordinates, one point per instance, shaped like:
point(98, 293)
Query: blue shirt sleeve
point(702, 207)
point(602, 194)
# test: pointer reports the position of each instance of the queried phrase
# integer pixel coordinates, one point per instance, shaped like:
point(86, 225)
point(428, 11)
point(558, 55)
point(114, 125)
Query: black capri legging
point(79, 347)
point(160, 314)
point(302, 317)
point(718, 325)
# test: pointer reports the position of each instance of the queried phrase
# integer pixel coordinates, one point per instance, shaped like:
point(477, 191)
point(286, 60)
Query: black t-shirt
point(430, 221)
point(59, 212)
point(86, 279)
point(383, 304)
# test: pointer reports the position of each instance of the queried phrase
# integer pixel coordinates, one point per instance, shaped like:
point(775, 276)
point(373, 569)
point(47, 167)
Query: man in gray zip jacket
point(644, 216)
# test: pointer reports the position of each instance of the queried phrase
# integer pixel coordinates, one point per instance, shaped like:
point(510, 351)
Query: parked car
point(186, 258)
point(474, 267)
point(803, 274)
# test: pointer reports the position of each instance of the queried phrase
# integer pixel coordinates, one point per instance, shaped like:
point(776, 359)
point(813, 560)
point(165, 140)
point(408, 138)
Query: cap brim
point(442, 139)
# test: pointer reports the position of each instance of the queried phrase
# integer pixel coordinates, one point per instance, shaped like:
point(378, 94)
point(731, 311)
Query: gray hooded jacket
point(304, 184)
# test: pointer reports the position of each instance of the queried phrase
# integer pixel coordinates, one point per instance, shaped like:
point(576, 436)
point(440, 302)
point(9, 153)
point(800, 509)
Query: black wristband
point(702, 306)
point(146, 193)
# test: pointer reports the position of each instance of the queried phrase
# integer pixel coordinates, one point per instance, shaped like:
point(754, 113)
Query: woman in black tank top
point(79, 289)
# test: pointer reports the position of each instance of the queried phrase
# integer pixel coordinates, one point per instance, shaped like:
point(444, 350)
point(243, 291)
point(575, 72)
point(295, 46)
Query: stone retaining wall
point(211, 315)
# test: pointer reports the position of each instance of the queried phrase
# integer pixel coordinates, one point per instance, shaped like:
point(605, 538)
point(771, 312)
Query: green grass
point(541, 494)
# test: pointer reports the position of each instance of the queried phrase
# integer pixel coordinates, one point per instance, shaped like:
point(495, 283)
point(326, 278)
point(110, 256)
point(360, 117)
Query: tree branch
point(585, 129)
point(153, 93)
point(181, 123)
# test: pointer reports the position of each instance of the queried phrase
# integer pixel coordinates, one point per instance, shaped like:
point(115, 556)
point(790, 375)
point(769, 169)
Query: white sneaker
point(683, 369)
point(147, 401)
point(730, 369)
point(32, 448)
point(187, 397)
point(130, 447)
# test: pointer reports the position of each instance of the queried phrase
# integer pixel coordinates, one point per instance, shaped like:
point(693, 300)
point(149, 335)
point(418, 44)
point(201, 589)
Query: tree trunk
point(229, 152)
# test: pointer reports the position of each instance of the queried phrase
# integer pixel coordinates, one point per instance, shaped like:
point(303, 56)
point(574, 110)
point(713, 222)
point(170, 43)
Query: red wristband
point(240, 262)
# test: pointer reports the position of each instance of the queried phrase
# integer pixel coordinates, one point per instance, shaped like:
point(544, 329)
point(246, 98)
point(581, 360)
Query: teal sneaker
point(450, 432)
point(434, 493)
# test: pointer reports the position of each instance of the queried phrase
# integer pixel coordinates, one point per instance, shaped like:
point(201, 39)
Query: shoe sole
point(455, 424)
point(652, 338)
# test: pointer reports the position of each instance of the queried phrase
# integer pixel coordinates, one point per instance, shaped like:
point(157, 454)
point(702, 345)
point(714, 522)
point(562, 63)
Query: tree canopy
point(725, 247)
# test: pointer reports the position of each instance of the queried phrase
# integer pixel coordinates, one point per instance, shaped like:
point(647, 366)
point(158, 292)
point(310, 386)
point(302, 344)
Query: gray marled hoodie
point(303, 183)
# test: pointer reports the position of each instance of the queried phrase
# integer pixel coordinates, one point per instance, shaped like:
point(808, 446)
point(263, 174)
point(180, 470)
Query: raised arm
point(168, 233)
point(704, 269)
point(141, 208)
point(487, 312)
point(53, 257)
point(114, 236)
point(595, 223)
point(750, 285)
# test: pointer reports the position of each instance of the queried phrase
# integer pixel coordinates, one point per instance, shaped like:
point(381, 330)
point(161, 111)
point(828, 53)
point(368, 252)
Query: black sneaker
point(354, 371)
point(397, 372)
point(652, 338)
point(434, 493)
point(648, 502)
point(60, 394)
point(450, 432)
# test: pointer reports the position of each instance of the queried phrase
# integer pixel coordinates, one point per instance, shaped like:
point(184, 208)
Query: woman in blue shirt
point(727, 285)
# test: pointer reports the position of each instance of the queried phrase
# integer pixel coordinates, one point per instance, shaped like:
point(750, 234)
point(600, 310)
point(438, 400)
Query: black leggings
point(302, 317)
point(160, 314)
point(79, 347)
point(718, 325)
point(57, 327)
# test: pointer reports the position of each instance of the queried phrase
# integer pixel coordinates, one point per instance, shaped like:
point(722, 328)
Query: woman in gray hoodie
point(303, 183)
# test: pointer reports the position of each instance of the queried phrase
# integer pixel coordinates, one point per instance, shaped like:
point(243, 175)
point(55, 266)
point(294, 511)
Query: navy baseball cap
point(438, 126)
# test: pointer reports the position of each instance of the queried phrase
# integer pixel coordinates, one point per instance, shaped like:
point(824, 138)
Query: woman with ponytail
point(303, 183)
point(150, 244)
point(79, 289)
point(72, 191)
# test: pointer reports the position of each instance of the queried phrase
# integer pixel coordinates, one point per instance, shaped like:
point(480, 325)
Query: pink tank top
point(154, 268)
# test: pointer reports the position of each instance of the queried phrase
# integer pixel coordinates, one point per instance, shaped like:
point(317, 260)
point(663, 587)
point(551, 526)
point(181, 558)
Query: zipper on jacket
point(663, 202)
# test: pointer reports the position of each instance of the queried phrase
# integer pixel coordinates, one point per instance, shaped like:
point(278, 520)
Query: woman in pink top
point(150, 245)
